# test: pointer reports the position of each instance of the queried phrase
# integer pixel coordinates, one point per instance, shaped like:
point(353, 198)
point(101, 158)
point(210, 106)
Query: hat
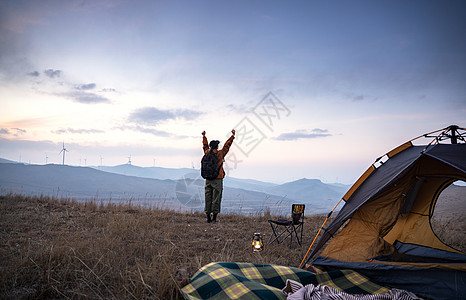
point(214, 144)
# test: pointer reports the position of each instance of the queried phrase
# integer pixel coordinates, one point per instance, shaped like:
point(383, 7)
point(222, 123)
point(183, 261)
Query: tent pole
point(454, 139)
point(425, 135)
point(315, 238)
point(436, 139)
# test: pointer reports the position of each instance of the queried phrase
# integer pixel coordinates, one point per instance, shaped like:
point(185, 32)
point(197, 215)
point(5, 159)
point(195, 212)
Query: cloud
point(361, 97)
point(241, 108)
point(86, 87)
point(16, 17)
point(144, 129)
point(36, 151)
point(318, 130)
point(52, 73)
point(19, 130)
point(27, 145)
point(150, 130)
point(86, 98)
point(34, 74)
point(78, 131)
point(187, 114)
point(152, 115)
point(303, 134)
point(358, 98)
point(80, 93)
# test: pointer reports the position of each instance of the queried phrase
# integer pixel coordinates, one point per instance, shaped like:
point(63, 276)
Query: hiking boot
point(214, 218)
point(208, 218)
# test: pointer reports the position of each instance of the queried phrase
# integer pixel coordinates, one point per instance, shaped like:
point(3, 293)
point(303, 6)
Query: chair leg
point(297, 234)
point(278, 236)
point(289, 232)
point(302, 230)
point(293, 234)
point(273, 236)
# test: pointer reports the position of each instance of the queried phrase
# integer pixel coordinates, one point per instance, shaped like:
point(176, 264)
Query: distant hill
point(249, 184)
point(179, 173)
point(181, 189)
point(308, 191)
point(85, 183)
point(147, 172)
point(77, 182)
point(6, 161)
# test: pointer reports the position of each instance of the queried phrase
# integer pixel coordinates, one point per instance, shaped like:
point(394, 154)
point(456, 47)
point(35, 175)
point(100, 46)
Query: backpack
point(209, 165)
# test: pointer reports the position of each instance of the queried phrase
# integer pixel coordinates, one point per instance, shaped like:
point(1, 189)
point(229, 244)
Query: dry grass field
point(64, 249)
point(451, 229)
point(449, 218)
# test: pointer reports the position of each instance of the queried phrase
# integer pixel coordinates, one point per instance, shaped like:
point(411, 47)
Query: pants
point(213, 195)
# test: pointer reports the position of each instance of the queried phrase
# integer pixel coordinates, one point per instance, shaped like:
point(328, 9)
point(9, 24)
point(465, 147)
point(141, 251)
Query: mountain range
point(308, 191)
point(178, 189)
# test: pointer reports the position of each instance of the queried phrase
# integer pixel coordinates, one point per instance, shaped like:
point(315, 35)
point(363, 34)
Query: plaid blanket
point(257, 281)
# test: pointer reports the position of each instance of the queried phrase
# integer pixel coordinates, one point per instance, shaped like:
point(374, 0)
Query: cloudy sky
point(315, 89)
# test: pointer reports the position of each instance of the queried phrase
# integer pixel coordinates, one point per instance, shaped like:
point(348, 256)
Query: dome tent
point(383, 231)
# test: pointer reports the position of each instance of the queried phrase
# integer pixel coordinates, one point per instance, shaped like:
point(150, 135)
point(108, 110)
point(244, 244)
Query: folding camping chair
point(293, 228)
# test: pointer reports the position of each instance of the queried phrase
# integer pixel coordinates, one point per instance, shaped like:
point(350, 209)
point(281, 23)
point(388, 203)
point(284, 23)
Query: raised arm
point(228, 143)
point(205, 142)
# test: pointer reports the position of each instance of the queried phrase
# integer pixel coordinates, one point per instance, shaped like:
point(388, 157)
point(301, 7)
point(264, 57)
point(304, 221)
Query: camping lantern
point(257, 244)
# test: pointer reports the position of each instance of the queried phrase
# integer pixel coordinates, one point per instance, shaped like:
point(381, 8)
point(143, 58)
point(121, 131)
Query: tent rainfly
point(384, 229)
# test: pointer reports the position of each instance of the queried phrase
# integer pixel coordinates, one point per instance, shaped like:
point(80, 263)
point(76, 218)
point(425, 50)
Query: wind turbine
point(63, 150)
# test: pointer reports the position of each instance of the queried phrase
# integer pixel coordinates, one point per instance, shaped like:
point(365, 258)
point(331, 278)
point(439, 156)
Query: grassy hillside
point(63, 249)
